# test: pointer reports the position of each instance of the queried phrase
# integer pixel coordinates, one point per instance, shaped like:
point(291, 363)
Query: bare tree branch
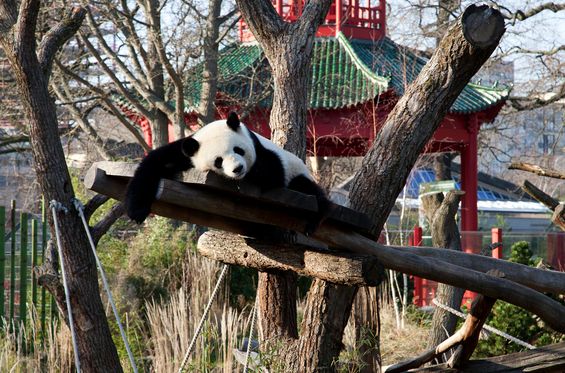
point(108, 103)
point(57, 36)
point(116, 212)
point(533, 102)
point(521, 15)
point(538, 170)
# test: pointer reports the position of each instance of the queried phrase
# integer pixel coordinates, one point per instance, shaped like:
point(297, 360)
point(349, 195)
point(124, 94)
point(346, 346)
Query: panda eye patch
point(239, 151)
point(218, 162)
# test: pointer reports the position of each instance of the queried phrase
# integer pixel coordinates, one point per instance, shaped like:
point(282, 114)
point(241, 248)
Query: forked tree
point(31, 61)
point(463, 50)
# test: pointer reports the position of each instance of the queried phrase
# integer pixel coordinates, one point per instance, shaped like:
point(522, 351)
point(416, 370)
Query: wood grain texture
point(336, 267)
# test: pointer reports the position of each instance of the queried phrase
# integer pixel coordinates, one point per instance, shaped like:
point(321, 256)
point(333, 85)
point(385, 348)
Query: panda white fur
point(230, 149)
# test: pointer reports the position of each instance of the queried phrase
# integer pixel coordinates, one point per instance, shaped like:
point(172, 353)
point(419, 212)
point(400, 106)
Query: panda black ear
point(233, 121)
point(189, 146)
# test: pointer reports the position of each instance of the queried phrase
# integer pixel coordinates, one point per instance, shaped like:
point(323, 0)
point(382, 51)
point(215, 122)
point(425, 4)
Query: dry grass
point(172, 324)
point(58, 357)
point(400, 344)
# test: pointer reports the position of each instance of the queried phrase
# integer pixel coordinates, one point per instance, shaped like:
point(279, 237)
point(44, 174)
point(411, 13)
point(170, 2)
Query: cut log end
point(483, 26)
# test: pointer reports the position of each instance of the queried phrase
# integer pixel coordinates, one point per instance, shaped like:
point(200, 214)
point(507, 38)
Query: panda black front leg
point(164, 162)
point(305, 185)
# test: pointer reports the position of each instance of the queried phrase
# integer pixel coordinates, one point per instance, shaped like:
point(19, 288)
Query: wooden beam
point(340, 268)
point(201, 205)
point(540, 195)
point(535, 278)
point(465, 338)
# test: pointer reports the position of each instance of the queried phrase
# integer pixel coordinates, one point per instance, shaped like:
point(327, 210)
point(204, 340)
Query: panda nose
point(238, 169)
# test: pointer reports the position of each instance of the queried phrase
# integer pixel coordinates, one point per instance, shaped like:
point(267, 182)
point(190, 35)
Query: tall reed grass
point(172, 324)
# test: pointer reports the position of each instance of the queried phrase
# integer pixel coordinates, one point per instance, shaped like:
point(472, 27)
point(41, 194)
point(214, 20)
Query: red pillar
point(469, 175)
point(496, 236)
point(338, 16)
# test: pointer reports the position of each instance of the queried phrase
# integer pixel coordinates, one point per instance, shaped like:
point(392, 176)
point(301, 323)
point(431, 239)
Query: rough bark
point(337, 267)
point(365, 316)
point(440, 213)
point(97, 352)
point(160, 121)
point(327, 309)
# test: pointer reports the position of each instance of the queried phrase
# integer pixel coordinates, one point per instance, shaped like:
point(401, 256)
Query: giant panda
point(229, 148)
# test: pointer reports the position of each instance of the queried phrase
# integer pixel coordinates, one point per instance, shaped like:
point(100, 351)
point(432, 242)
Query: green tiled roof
point(344, 73)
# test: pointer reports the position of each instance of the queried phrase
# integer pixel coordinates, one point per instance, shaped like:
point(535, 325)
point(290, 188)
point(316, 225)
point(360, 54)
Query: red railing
point(356, 21)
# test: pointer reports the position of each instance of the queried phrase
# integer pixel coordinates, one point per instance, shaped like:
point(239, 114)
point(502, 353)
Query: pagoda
point(357, 76)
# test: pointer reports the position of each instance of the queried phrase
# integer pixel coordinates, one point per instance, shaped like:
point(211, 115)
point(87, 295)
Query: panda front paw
point(138, 213)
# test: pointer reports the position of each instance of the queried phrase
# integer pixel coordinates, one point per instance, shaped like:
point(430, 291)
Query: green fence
point(23, 239)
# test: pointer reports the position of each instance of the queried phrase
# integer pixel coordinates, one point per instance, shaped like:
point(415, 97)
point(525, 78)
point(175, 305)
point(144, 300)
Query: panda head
point(223, 146)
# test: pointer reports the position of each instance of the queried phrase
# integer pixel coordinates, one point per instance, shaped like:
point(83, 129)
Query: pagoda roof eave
point(345, 73)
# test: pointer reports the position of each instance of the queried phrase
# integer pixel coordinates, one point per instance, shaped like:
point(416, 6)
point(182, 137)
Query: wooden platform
point(210, 200)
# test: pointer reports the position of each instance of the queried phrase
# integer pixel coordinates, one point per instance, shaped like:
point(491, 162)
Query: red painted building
point(358, 74)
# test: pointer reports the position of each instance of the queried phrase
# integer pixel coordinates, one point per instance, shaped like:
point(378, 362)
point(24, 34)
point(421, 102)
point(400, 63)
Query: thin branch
point(538, 170)
point(147, 94)
point(521, 15)
point(108, 104)
point(81, 119)
point(529, 103)
point(116, 212)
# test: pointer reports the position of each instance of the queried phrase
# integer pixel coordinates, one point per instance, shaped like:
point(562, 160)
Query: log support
point(464, 340)
point(336, 267)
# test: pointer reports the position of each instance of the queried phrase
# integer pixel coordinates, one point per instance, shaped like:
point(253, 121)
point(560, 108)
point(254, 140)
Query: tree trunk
point(288, 48)
point(440, 213)
point(207, 108)
point(417, 115)
point(419, 112)
point(367, 329)
point(97, 352)
point(160, 122)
